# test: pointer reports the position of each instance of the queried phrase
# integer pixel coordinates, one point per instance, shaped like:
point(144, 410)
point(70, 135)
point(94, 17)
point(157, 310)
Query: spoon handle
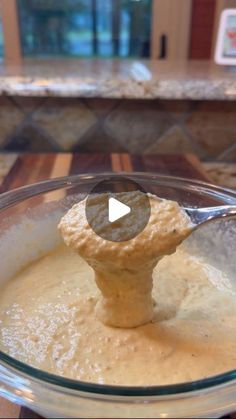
point(202, 215)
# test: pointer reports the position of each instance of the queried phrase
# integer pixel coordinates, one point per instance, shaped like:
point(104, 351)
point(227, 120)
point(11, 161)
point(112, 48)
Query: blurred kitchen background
point(116, 75)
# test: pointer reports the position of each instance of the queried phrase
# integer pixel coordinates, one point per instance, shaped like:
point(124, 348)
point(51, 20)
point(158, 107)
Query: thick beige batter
point(48, 319)
point(123, 270)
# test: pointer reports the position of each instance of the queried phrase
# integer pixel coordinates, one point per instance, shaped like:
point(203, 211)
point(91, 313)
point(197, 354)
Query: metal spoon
point(202, 215)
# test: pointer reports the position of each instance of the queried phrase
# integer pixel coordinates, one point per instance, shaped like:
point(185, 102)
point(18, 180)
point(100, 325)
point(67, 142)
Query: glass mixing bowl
point(28, 222)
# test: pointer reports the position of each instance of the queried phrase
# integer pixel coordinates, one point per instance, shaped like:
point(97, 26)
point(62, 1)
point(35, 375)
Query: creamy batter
point(48, 320)
point(54, 316)
point(123, 270)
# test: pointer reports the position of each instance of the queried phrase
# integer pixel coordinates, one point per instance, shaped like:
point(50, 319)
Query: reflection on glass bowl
point(52, 395)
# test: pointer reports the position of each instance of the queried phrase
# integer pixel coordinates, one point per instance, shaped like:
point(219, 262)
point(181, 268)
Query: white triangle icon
point(116, 210)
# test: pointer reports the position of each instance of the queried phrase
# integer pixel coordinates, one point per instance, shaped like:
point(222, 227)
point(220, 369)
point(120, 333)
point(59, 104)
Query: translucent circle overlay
point(127, 192)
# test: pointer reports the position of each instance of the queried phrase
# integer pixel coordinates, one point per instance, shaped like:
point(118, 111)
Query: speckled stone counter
point(197, 80)
point(108, 106)
point(223, 174)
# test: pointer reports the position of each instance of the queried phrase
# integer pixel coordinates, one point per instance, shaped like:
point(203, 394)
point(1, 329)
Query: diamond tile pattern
point(28, 104)
point(175, 141)
point(229, 154)
point(115, 125)
point(97, 140)
point(66, 121)
point(31, 138)
point(137, 124)
point(178, 109)
point(101, 107)
point(213, 126)
point(11, 117)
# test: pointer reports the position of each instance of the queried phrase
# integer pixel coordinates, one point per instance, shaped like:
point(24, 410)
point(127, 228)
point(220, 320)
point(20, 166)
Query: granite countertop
point(221, 173)
point(119, 79)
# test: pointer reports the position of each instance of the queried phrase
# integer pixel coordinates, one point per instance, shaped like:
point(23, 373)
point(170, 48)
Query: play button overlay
point(118, 209)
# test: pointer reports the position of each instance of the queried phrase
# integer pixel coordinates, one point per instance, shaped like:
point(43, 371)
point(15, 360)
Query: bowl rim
point(18, 195)
point(108, 390)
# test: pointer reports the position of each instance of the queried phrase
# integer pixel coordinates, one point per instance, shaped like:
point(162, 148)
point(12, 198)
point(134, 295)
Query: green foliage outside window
point(85, 28)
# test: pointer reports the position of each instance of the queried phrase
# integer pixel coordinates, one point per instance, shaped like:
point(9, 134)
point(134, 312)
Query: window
point(159, 29)
point(85, 28)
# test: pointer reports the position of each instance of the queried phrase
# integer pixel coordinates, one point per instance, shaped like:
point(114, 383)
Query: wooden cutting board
point(30, 168)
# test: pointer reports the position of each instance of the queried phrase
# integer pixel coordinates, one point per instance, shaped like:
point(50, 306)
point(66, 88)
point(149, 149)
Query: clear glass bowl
point(23, 239)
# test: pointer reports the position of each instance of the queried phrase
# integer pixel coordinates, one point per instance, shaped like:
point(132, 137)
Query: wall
point(202, 26)
point(104, 125)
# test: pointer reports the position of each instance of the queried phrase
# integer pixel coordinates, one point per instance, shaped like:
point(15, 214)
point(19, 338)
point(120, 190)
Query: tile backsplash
point(114, 125)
